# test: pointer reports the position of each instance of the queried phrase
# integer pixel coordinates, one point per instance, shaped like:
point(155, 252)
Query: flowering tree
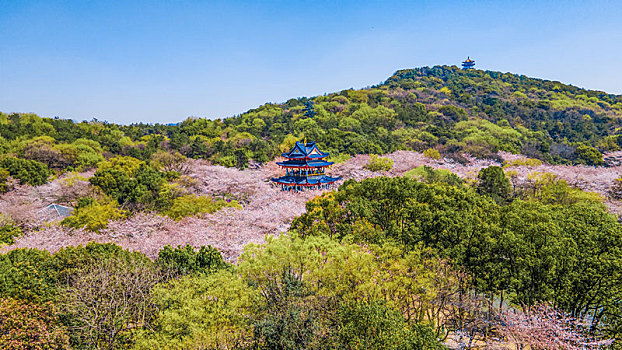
point(24, 325)
point(543, 327)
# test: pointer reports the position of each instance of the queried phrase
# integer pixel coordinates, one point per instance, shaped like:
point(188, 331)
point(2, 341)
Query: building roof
point(304, 163)
point(61, 210)
point(305, 181)
point(305, 150)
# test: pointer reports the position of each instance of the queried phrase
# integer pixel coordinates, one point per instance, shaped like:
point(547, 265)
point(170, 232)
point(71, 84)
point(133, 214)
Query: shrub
point(27, 171)
point(169, 161)
point(8, 234)
point(338, 158)
point(377, 163)
point(227, 161)
point(128, 165)
point(180, 261)
point(4, 180)
point(93, 216)
point(522, 162)
point(589, 155)
point(432, 154)
point(192, 205)
point(430, 175)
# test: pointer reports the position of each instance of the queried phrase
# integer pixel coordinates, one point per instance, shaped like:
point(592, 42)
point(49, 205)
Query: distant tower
point(468, 64)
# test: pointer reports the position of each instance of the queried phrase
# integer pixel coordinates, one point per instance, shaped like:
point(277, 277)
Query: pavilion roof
point(304, 163)
point(305, 150)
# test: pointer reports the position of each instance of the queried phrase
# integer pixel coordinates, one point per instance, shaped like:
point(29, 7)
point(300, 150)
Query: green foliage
point(494, 183)
point(432, 154)
point(93, 216)
point(8, 233)
point(197, 312)
point(127, 165)
point(530, 162)
point(377, 163)
point(27, 171)
point(304, 293)
point(372, 325)
point(338, 158)
point(430, 175)
point(185, 260)
point(27, 274)
point(290, 317)
point(530, 251)
point(589, 155)
point(4, 179)
point(24, 325)
point(241, 159)
point(338, 274)
point(35, 275)
point(549, 189)
point(168, 161)
point(130, 182)
point(101, 292)
point(193, 205)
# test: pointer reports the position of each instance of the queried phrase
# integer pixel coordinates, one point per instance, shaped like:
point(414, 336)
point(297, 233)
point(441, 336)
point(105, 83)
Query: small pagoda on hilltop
point(305, 169)
point(468, 64)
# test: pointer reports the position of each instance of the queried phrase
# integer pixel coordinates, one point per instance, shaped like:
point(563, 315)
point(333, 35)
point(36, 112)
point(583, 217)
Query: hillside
point(471, 117)
point(455, 111)
point(493, 221)
point(265, 211)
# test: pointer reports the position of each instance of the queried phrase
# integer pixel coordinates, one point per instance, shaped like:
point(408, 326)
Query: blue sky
point(162, 61)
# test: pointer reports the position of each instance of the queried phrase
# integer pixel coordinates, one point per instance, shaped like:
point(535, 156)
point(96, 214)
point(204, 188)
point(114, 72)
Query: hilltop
point(452, 110)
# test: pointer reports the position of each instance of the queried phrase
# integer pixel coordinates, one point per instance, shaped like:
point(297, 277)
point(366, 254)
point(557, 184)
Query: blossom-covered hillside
point(265, 210)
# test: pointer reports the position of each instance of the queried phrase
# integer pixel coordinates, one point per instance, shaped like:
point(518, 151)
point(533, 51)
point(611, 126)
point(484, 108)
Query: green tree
point(241, 159)
point(373, 325)
point(4, 179)
point(27, 171)
point(494, 183)
point(198, 312)
point(130, 182)
point(174, 262)
point(589, 155)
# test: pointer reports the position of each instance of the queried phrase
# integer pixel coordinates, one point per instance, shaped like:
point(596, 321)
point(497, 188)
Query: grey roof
point(61, 210)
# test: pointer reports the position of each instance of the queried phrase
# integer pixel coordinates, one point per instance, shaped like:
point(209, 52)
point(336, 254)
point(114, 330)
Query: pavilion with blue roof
point(305, 168)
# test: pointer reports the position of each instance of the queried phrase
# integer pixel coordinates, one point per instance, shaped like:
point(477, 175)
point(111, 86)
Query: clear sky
point(162, 61)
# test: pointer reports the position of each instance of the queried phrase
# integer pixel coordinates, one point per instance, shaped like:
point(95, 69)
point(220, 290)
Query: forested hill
point(452, 110)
